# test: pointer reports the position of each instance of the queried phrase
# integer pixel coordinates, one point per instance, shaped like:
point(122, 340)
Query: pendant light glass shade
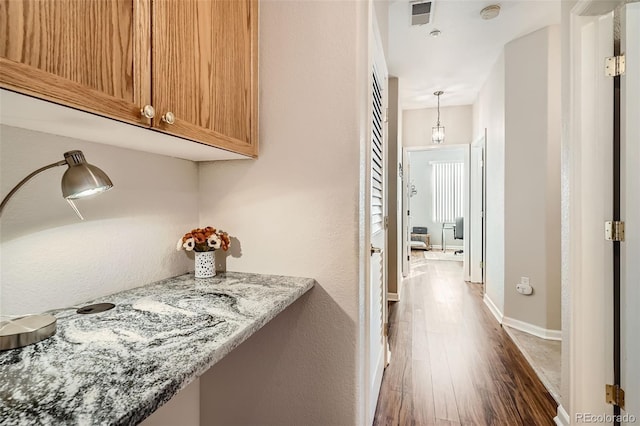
point(437, 132)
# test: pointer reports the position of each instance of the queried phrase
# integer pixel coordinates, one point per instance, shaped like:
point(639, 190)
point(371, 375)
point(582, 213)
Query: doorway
point(436, 186)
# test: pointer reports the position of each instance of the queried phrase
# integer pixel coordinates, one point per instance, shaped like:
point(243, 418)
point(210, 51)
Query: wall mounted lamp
point(80, 180)
point(437, 132)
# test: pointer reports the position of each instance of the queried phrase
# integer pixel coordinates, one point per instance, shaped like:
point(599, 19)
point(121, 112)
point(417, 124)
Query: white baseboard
point(532, 329)
point(562, 419)
point(393, 297)
point(493, 308)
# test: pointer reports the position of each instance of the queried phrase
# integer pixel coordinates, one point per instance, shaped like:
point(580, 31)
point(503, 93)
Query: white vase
point(205, 266)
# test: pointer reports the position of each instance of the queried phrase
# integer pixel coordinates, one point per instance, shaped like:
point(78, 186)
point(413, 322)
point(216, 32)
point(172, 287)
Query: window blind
point(376, 158)
point(447, 191)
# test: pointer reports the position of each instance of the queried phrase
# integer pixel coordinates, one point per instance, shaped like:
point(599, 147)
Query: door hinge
point(614, 66)
point(386, 115)
point(614, 230)
point(481, 163)
point(385, 329)
point(615, 395)
point(481, 264)
point(386, 222)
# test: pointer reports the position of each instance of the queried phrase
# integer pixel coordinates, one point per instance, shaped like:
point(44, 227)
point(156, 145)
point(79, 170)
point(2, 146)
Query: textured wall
point(532, 177)
point(50, 259)
point(457, 121)
point(295, 211)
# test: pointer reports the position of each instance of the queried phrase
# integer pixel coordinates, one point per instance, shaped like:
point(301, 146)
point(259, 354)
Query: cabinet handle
point(169, 117)
point(148, 112)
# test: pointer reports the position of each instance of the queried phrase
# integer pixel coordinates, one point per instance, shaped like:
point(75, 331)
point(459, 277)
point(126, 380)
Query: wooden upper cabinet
point(93, 55)
point(205, 71)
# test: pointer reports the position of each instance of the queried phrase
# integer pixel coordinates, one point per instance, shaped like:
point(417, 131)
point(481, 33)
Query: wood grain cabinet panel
point(205, 71)
point(90, 54)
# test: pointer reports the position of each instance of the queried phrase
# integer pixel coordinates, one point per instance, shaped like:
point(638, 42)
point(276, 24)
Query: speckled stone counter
point(119, 366)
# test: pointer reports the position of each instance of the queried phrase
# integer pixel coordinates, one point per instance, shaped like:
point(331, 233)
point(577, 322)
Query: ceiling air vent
point(420, 12)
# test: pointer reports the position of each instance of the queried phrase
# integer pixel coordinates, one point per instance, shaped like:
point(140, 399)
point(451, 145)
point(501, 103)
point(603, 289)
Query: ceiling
point(460, 59)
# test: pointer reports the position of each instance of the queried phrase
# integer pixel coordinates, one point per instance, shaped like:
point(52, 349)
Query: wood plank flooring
point(451, 362)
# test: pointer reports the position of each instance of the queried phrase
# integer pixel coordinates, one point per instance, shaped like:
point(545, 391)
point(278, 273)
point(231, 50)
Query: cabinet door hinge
point(614, 230)
point(386, 222)
point(385, 329)
point(615, 395)
point(481, 265)
point(614, 66)
point(386, 115)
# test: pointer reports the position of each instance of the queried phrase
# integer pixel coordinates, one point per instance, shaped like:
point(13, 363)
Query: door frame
point(477, 210)
point(587, 309)
point(372, 368)
point(466, 197)
point(630, 207)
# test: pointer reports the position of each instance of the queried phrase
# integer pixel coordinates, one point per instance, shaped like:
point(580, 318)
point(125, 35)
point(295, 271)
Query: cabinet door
point(205, 71)
point(93, 55)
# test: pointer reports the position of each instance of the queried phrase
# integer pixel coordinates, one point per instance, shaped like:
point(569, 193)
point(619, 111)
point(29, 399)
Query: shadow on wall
point(269, 358)
point(235, 250)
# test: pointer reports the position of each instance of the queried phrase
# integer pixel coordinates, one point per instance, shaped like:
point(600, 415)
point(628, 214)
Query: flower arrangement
point(204, 239)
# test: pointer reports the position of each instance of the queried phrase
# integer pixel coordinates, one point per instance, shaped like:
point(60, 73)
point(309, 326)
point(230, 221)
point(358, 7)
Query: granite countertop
point(119, 366)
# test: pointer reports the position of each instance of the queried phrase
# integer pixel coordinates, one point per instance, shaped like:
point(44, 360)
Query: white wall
point(381, 14)
point(519, 105)
point(532, 177)
point(421, 204)
point(457, 121)
point(488, 112)
point(51, 259)
point(295, 211)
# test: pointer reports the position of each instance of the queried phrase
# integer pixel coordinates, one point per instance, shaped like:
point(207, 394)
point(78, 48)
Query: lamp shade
point(82, 179)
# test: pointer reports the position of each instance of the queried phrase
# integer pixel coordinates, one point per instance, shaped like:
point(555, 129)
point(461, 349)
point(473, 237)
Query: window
point(447, 191)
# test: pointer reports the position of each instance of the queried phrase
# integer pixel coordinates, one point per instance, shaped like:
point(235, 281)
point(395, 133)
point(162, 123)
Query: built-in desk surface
point(119, 366)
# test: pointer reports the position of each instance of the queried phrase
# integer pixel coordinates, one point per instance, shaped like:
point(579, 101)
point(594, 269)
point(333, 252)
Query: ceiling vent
point(420, 12)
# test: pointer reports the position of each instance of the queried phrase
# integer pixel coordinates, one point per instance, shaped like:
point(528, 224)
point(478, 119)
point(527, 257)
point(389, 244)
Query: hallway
point(451, 363)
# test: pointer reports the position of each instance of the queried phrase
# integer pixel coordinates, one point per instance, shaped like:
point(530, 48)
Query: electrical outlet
point(525, 289)
point(524, 280)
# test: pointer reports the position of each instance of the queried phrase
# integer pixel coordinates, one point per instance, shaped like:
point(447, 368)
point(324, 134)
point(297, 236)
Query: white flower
point(189, 244)
point(214, 241)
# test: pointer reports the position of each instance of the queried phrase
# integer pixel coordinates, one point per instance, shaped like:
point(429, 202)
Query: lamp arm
point(26, 179)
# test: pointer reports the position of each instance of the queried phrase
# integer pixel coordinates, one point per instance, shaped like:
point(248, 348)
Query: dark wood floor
point(451, 362)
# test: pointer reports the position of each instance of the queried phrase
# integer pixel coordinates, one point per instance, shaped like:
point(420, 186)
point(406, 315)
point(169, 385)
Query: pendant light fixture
point(437, 132)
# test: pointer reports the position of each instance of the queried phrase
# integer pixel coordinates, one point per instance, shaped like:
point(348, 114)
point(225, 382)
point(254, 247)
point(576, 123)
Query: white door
point(376, 288)
point(630, 209)
point(476, 213)
point(591, 182)
point(406, 217)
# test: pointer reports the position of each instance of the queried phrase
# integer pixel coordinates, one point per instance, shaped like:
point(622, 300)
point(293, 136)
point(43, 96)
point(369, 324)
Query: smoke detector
point(420, 12)
point(490, 12)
